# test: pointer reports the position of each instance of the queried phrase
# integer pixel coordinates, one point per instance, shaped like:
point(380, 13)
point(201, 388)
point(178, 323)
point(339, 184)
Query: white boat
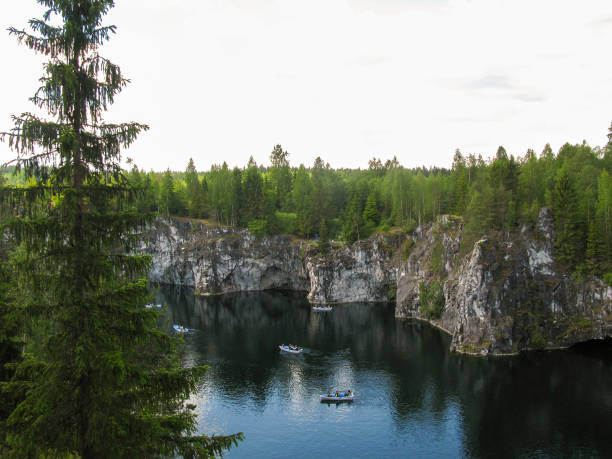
point(153, 306)
point(290, 349)
point(321, 308)
point(180, 329)
point(341, 397)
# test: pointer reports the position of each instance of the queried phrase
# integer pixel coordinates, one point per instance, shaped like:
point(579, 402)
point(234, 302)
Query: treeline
point(494, 196)
point(498, 195)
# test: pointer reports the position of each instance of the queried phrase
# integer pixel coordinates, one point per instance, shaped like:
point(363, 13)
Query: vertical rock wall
point(502, 295)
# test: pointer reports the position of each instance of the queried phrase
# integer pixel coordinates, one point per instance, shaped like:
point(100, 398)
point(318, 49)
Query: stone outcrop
point(361, 272)
point(216, 260)
point(506, 294)
point(502, 294)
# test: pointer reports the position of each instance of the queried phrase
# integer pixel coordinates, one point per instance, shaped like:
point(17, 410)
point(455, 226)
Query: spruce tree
point(604, 221)
point(11, 332)
point(236, 198)
point(167, 195)
point(106, 382)
point(565, 214)
point(301, 195)
point(253, 194)
point(280, 176)
point(370, 213)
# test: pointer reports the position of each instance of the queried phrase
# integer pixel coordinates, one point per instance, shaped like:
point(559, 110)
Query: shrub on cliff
point(432, 299)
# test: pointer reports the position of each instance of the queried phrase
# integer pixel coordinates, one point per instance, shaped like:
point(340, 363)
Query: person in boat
point(337, 395)
point(348, 393)
point(328, 394)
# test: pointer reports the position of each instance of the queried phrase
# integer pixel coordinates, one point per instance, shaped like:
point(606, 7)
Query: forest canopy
point(498, 195)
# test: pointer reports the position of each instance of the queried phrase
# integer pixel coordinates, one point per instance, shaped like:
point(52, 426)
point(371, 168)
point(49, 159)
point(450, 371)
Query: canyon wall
point(502, 294)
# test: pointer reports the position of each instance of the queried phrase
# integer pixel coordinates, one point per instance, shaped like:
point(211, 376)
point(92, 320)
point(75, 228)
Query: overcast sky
point(220, 80)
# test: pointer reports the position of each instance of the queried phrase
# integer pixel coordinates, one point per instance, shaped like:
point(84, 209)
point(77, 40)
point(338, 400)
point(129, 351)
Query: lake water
point(414, 398)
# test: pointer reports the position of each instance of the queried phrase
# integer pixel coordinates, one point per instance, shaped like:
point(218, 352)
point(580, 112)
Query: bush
point(436, 263)
point(408, 245)
point(432, 299)
point(608, 278)
point(286, 222)
point(537, 341)
point(258, 228)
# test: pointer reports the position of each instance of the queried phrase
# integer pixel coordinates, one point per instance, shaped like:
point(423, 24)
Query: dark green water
point(413, 397)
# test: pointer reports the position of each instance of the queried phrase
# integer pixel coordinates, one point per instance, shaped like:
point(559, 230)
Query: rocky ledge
point(506, 294)
point(216, 260)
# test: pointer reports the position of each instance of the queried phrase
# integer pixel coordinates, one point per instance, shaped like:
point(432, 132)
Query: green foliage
point(407, 249)
point(431, 297)
point(258, 228)
point(170, 203)
point(436, 264)
point(253, 195)
point(195, 192)
point(569, 236)
point(280, 178)
point(11, 344)
point(370, 212)
point(323, 243)
point(578, 325)
point(499, 196)
point(287, 222)
point(106, 382)
point(391, 292)
point(536, 340)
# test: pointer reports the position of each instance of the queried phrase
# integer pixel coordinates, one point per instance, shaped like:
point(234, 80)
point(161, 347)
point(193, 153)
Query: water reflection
point(414, 398)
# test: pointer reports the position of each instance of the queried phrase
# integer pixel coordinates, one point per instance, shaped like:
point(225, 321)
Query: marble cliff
point(501, 295)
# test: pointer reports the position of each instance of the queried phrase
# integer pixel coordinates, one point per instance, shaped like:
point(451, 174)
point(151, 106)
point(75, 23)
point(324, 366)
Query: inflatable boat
point(290, 349)
point(341, 397)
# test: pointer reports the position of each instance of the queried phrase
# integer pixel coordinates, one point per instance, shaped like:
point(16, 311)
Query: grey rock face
point(361, 272)
point(504, 297)
point(224, 260)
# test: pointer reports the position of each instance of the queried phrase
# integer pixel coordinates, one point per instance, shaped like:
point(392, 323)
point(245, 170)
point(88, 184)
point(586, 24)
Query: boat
point(321, 308)
point(180, 329)
point(290, 349)
point(153, 306)
point(341, 397)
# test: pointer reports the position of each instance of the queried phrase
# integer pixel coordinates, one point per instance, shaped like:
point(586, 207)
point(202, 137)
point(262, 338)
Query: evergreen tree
point(318, 196)
point(169, 202)
point(603, 222)
point(301, 198)
point(353, 222)
point(461, 194)
point(237, 199)
point(280, 176)
point(323, 243)
point(592, 251)
point(11, 344)
point(219, 182)
point(106, 382)
point(565, 215)
point(195, 195)
point(253, 194)
point(370, 213)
